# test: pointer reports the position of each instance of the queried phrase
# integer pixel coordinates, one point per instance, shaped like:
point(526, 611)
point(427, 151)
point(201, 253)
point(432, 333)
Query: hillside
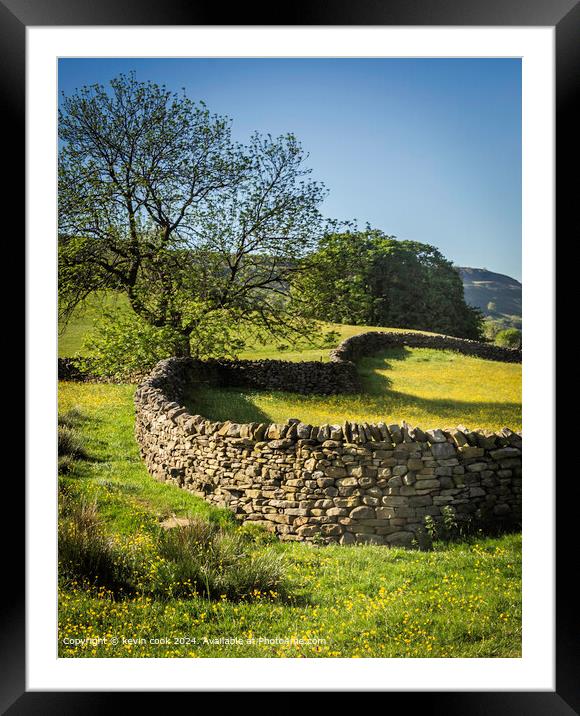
point(498, 296)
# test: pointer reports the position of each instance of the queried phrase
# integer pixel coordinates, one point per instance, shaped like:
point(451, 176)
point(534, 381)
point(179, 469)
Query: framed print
point(282, 266)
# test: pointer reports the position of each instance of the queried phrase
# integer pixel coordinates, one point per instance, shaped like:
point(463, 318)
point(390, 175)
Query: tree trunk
point(181, 347)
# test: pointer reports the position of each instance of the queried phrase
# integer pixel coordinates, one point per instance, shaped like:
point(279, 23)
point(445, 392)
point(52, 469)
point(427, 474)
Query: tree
point(367, 277)
point(157, 201)
point(509, 338)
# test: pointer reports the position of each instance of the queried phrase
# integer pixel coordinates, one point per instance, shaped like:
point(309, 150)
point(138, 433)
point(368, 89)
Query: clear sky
point(423, 149)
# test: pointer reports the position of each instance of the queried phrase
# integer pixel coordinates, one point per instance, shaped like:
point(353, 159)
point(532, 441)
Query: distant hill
point(498, 296)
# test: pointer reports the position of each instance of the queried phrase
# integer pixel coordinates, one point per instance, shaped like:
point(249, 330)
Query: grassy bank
point(461, 600)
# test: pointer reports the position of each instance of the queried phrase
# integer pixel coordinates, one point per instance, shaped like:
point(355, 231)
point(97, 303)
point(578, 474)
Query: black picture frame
point(16, 15)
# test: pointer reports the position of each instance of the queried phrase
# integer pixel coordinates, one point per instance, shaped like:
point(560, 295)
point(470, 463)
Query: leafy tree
point(509, 337)
point(124, 347)
point(157, 201)
point(367, 277)
point(491, 328)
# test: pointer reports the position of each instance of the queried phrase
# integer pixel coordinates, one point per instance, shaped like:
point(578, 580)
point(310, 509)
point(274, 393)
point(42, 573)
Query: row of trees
point(368, 278)
point(203, 234)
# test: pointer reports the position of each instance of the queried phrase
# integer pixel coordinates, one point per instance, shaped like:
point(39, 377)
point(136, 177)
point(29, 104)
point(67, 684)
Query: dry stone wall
point(365, 344)
point(349, 483)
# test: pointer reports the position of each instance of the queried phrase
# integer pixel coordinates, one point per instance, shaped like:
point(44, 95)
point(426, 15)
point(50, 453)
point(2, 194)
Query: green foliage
point(85, 551)
point(450, 525)
point(490, 329)
point(430, 527)
point(157, 202)
point(509, 338)
point(257, 534)
point(71, 443)
point(370, 278)
point(330, 338)
point(201, 558)
point(72, 418)
point(219, 563)
point(124, 347)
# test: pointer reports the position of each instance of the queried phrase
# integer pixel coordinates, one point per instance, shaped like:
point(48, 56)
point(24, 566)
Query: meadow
point(84, 320)
point(425, 387)
point(461, 598)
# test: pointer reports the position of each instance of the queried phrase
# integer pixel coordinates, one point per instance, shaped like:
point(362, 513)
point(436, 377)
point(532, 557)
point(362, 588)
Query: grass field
point(84, 320)
point(425, 387)
point(461, 600)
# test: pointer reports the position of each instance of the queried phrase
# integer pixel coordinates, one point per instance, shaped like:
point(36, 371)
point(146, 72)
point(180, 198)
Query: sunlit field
point(461, 600)
point(85, 319)
point(425, 387)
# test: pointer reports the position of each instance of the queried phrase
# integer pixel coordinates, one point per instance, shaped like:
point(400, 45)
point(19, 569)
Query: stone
point(501, 510)
point(260, 431)
point(327, 481)
point(337, 512)
point(363, 512)
point(384, 430)
point(303, 430)
point(469, 452)
point(477, 492)
point(370, 539)
point(275, 431)
point(435, 436)
point(429, 484)
point(335, 432)
point(477, 466)
point(486, 438)
point(396, 434)
point(408, 490)
point(505, 452)
point(458, 437)
point(400, 539)
point(347, 482)
point(331, 530)
point(308, 530)
point(335, 472)
point(283, 444)
point(394, 500)
point(442, 450)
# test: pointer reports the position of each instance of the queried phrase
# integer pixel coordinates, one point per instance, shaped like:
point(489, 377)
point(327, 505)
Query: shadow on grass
point(379, 395)
point(377, 398)
point(225, 404)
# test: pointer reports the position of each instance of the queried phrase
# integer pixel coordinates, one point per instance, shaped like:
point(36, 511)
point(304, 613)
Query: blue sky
point(423, 149)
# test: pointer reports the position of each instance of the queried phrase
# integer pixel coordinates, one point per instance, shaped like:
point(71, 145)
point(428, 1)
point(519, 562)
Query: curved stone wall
point(365, 344)
point(349, 483)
